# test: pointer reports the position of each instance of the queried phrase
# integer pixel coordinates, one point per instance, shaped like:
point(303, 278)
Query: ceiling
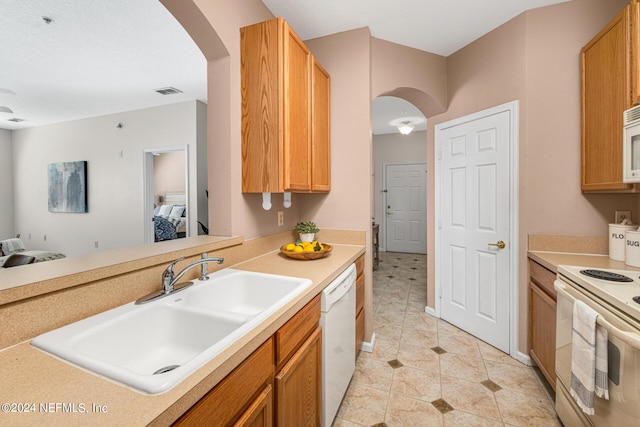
point(72, 59)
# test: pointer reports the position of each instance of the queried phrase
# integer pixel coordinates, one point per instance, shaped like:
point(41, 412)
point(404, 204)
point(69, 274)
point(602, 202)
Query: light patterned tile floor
point(424, 371)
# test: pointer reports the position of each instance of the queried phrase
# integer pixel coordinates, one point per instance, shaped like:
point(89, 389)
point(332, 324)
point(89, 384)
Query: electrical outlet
point(622, 215)
point(280, 218)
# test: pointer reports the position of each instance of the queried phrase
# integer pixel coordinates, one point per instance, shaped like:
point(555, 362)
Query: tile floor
point(425, 372)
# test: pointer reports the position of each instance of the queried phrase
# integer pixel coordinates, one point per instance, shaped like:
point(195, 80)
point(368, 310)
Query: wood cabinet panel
point(635, 49)
point(260, 413)
point(262, 116)
point(606, 93)
point(320, 128)
point(297, 116)
point(359, 330)
point(359, 293)
point(235, 393)
point(291, 335)
point(542, 332)
point(299, 386)
point(543, 277)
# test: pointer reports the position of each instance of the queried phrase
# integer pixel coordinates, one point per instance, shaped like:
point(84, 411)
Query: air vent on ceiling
point(16, 120)
point(168, 91)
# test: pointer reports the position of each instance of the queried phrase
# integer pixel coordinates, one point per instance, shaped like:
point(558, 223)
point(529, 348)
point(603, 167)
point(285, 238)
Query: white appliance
point(338, 321)
point(631, 145)
point(615, 295)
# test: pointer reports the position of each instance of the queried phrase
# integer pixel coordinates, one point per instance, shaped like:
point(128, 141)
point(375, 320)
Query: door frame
point(149, 154)
point(385, 195)
point(513, 109)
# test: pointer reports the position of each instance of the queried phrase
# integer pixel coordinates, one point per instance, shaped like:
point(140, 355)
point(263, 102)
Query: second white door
point(406, 208)
point(475, 241)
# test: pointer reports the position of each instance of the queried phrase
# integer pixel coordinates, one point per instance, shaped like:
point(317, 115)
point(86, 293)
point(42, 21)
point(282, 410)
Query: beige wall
point(534, 58)
point(6, 189)
point(115, 189)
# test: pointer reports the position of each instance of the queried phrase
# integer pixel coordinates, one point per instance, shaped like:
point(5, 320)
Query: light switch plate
point(622, 215)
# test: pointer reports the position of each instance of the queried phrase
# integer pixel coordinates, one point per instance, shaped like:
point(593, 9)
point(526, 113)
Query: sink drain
point(166, 369)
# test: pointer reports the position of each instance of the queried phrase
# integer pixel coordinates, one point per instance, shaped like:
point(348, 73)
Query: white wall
point(393, 148)
point(115, 176)
point(6, 185)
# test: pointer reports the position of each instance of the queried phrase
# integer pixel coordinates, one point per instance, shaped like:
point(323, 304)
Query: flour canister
point(617, 242)
point(632, 248)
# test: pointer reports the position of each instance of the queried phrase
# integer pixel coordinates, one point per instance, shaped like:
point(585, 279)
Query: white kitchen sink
point(154, 346)
point(243, 292)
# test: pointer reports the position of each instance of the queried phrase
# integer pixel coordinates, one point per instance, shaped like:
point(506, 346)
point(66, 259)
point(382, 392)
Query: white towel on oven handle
point(589, 371)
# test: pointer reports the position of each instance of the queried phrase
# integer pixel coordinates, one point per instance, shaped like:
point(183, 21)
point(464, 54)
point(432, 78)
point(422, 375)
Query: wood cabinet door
point(297, 113)
point(606, 93)
point(260, 413)
point(228, 400)
point(320, 128)
point(299, 386)
point(542, 332)
point(635, 51)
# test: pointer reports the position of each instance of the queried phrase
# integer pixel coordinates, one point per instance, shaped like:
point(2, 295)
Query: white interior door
point(406, 208)
point(475, 225)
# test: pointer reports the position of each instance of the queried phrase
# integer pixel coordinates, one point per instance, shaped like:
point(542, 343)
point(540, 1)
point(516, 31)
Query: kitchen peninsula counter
point(40, 389)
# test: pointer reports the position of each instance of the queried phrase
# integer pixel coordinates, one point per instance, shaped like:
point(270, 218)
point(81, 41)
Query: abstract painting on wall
point(68, 187)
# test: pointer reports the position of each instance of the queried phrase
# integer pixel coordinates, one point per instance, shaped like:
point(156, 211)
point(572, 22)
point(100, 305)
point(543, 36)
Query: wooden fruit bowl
point(306, 256)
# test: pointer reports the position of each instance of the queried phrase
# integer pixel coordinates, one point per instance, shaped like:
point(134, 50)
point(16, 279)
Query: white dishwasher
point(338, 321)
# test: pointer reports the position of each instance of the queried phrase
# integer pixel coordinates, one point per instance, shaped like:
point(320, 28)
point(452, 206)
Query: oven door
point(623, 406)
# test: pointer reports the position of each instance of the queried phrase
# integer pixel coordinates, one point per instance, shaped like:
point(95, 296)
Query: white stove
point(620, 288)
point(615, 296)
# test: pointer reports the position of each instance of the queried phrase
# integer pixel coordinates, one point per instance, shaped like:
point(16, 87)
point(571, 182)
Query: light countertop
point(39, 389)
point(552, 260)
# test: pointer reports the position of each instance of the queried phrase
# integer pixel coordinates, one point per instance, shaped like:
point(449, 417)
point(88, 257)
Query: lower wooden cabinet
point(359, 303)
point(542, 320)
point(260, 413)
point(299, 386)
point(238, 396)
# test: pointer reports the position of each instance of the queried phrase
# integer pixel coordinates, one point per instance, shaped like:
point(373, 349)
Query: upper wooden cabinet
point(285, 112)
point(607, 90)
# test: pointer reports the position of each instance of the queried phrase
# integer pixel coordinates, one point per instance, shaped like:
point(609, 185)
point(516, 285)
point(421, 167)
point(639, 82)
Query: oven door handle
point(626, 337)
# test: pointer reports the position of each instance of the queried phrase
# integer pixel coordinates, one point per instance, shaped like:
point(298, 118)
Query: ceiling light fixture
point(405, 127)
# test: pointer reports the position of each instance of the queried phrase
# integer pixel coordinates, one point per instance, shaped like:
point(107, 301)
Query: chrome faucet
point(169, 278)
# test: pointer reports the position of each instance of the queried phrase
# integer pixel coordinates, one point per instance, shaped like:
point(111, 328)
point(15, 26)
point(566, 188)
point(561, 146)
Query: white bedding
point(40, 256)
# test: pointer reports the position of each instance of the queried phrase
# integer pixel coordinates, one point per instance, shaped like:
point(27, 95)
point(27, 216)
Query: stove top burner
point(606, 275)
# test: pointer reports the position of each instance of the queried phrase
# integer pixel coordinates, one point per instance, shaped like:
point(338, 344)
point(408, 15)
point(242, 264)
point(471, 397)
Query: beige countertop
point(39, 389)
point(552, 260)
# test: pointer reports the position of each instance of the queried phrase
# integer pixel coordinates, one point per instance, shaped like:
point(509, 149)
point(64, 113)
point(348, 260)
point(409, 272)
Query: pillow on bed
point(11, 246)
point(177, 211)
point(165, 211)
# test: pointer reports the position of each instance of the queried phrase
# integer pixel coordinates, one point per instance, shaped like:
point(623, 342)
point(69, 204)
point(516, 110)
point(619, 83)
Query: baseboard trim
point(368, 346)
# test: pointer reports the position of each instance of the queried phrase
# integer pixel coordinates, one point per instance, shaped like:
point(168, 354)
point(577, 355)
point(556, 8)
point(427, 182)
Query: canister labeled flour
point(617, 240)
point(632, 248)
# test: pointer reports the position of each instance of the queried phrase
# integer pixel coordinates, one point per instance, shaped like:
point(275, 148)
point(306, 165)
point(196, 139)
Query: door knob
point(500, 244)
point(389, 213)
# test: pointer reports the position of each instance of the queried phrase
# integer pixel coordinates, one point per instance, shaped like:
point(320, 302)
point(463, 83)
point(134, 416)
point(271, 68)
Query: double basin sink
point(153, 346)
